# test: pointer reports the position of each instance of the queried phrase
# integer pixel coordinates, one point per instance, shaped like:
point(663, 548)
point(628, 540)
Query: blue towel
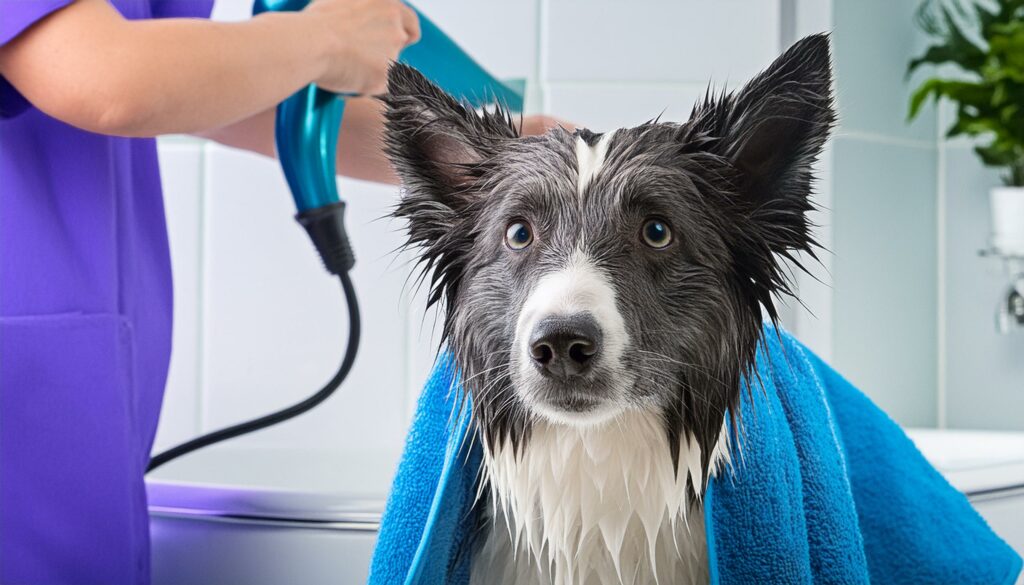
point(826, 489)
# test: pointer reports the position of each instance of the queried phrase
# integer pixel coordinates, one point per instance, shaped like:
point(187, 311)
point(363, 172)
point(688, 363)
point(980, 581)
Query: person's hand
point(362, 37)
point(539, 124)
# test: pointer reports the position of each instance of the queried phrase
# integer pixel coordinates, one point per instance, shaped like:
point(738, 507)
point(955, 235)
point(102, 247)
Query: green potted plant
point(981, 43)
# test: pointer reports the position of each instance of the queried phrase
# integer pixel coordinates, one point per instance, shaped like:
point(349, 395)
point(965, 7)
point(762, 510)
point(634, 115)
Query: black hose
point(287, 413)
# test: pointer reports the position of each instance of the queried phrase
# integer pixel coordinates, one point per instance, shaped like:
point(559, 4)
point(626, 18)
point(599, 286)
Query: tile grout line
point(787, 31)
point(787, 24)
point(631, 83)
point(542, 55)
point(410, 391)
point(830, 299)
point(940, 240)
point(883, 139)
point(405, 310)
point(200, 410)
point(803, 25)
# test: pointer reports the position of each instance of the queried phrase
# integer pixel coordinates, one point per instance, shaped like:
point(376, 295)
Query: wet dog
point(603, 295)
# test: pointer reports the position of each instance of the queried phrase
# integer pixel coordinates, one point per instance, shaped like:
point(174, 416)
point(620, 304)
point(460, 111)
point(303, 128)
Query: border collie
point(603, 296)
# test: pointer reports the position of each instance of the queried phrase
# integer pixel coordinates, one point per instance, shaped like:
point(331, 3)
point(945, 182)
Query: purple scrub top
point(85, 334)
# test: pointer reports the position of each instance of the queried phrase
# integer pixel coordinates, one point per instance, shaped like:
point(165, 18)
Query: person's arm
point(88, 66)
point(360, 141)
point(360, 144)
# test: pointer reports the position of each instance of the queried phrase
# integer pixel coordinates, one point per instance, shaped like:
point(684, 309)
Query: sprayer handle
point(306, 129)
point(306, 133)
point(307, 124)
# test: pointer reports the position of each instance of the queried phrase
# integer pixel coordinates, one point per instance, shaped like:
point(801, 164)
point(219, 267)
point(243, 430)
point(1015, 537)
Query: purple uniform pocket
point(72, 498)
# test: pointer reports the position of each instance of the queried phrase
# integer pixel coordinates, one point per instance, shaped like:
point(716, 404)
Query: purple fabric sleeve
point(15, 17)
point(18, 15)
point(181, 8)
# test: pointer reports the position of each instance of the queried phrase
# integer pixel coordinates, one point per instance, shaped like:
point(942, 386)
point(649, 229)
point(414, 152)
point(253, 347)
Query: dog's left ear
point(771, 132)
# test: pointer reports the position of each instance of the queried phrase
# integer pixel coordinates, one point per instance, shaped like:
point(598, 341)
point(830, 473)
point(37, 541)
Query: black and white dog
point(604, 296)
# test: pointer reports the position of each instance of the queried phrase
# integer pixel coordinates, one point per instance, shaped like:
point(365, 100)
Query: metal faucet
point(1010, 309)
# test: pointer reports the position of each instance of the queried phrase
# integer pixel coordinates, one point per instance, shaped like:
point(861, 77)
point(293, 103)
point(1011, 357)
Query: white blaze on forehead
point(578, 287)
point(590, 158)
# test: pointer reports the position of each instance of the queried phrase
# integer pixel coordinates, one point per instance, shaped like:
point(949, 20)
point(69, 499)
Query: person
point(85, 282)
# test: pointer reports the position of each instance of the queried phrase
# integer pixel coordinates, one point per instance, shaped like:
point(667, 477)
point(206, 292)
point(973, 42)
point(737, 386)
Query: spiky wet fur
point(552, 504)
point(733, 182)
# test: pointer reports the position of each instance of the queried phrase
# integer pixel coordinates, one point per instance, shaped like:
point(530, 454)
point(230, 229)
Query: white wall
point(884, 254)
point(982, 370)
point(914, 304)
point(260, 325)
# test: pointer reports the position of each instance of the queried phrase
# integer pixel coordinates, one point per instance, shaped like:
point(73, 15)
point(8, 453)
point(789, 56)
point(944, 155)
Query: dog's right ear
point(440, 149)
point(437, 144)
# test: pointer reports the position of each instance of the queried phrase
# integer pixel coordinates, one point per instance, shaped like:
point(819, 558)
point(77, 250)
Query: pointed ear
point(781, 120)
point(440, 149)
point(435, 142)
point(771, 132)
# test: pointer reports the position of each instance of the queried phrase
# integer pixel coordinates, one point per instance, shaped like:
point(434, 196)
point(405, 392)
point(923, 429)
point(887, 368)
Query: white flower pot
point(1007, 207)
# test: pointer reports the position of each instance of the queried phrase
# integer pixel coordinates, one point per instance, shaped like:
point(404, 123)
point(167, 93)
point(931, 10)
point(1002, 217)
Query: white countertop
point(974, 461)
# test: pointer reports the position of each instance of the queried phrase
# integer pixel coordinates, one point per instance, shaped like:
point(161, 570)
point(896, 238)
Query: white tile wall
point(603, 106)
point(274, 325)
point(260, 325)
point(181, 170)
point(984, 369)
point(500, 34)
point(660, 40)
point(231, 10)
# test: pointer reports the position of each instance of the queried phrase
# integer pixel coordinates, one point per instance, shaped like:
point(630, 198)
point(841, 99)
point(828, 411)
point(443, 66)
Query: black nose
point(565, 346)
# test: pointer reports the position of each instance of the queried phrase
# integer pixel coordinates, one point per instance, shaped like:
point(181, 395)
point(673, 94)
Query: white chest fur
point(594, 506)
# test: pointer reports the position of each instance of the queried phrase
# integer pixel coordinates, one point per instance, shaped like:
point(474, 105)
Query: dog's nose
point(565, 346)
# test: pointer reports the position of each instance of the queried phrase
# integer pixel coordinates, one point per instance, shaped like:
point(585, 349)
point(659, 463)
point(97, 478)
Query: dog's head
point(585, 274)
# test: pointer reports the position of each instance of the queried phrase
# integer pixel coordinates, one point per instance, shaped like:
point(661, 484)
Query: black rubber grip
point(326, 227)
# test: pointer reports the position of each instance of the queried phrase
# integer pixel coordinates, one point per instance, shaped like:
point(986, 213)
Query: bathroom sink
point(238, 513)
point(262, 482)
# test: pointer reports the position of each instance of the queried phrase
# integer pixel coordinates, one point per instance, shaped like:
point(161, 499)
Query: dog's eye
point(656, 233)
point(518, 235)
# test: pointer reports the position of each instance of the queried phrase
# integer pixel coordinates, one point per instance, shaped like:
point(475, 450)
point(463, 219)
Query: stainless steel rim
point(368, 522)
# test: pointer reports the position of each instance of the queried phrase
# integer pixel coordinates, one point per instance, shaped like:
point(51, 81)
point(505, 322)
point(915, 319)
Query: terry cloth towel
point(826, 489)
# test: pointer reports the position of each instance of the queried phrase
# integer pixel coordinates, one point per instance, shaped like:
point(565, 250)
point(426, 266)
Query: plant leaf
point(921, 95)
point(985, 39)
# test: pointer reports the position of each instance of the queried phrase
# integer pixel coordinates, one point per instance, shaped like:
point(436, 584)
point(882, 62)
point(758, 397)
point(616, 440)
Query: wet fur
point(733, 183)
